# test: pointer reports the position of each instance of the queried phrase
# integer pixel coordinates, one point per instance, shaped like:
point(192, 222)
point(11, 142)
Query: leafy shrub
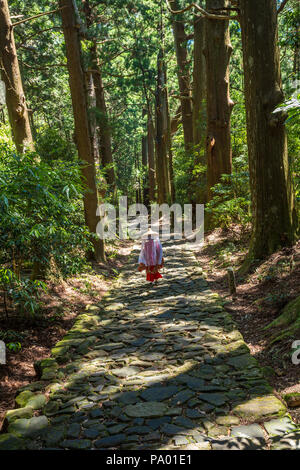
point(11, 336)
point(183, 166)
point(231, 201)
point(24, 294)
point(41, 214)
point(14, 347)
point(51, 145)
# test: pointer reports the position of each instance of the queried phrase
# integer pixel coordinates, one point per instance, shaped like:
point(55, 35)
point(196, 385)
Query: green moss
point(289, 320)
point(42, 364)
point(290, 314)
point(23, 398)
point(268, 371)
point(37, 402)
point(292, 399)
point(11, 442)
point(13, 415)
point(292, 395)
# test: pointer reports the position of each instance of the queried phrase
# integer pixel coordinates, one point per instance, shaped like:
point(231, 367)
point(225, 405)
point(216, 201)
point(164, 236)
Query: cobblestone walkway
point(151, 368)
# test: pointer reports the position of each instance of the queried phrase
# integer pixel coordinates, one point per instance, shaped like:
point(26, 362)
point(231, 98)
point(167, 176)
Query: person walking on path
point(151, 256)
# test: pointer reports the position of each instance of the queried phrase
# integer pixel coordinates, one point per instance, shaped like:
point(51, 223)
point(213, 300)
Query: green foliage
point(40, 207)
point(52, 145)
point(225, 254)
point(292, 108)
point(128, 44)
point(14, 347)
point(11, 336)
point(231, 201)
point(183, 164)
point(24, 294)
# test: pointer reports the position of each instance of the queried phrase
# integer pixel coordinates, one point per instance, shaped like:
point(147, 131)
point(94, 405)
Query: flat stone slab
point(228, 420)
point(146, 410)
point(241, 362)
point(128, 398)
point(172, 430)
point(110, 441)
point(216, 399)
point(28, 427)
point(199, 446)
point(277, 427)
point(79, 444)
point(259, 408)
point(237, 443)
point(125, 371)
point(288, 442)
point(158, 393)
point(158, 422)
point(252, 430)
point(11, 442)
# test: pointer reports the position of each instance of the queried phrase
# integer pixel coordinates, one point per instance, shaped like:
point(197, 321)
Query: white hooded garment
point(151, 252)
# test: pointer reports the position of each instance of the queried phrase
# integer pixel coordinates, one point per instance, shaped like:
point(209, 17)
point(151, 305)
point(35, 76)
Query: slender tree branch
point(24, 40)
point(112, 57)
point(282, 5)
point(106, 40)
point(226, 8)
point(46, 67)
point(202, 11)
point(111, 74)
point(37, 16)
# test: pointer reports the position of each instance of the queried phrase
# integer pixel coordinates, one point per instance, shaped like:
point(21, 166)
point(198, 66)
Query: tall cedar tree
point(183, 74)
point(10, 73)
point(71, 29)
point(162, 133)
point(101, 116)
point(219, 105)
point(199, 110)
point(273, 207)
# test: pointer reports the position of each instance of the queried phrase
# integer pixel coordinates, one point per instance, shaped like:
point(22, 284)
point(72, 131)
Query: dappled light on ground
point(152, 368)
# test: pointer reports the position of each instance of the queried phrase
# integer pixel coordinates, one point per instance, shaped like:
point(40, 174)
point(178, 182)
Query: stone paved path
point(151, 368)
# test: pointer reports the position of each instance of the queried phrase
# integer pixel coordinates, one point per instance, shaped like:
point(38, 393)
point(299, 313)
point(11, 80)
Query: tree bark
point(183, 74)
point(296, 65)
point(138, 178)
point(199, 182)
point(91, 100)
point(273, 207)
point(82, 126)
point(219, 105)
point(199, 82)
point(170, 153)
point(10, 73)
point(162, 163)
point(151, 160)
point(103, 132)
point(103, 121)
point(145, 165)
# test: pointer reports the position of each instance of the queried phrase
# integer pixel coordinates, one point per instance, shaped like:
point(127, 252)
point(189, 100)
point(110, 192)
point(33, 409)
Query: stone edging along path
point(151, 368)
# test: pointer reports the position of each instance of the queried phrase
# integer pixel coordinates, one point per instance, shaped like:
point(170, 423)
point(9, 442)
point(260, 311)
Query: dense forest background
point(162, 102)
point(157, 101)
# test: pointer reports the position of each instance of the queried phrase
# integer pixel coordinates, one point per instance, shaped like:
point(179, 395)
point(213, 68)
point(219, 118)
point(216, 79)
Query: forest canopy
point(160, 101)
point(164, 104)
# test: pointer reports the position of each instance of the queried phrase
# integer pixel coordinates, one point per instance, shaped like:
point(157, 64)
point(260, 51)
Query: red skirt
point(153, 274)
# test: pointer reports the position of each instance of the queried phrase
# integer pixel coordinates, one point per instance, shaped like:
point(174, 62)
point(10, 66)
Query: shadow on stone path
point(151, 368)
